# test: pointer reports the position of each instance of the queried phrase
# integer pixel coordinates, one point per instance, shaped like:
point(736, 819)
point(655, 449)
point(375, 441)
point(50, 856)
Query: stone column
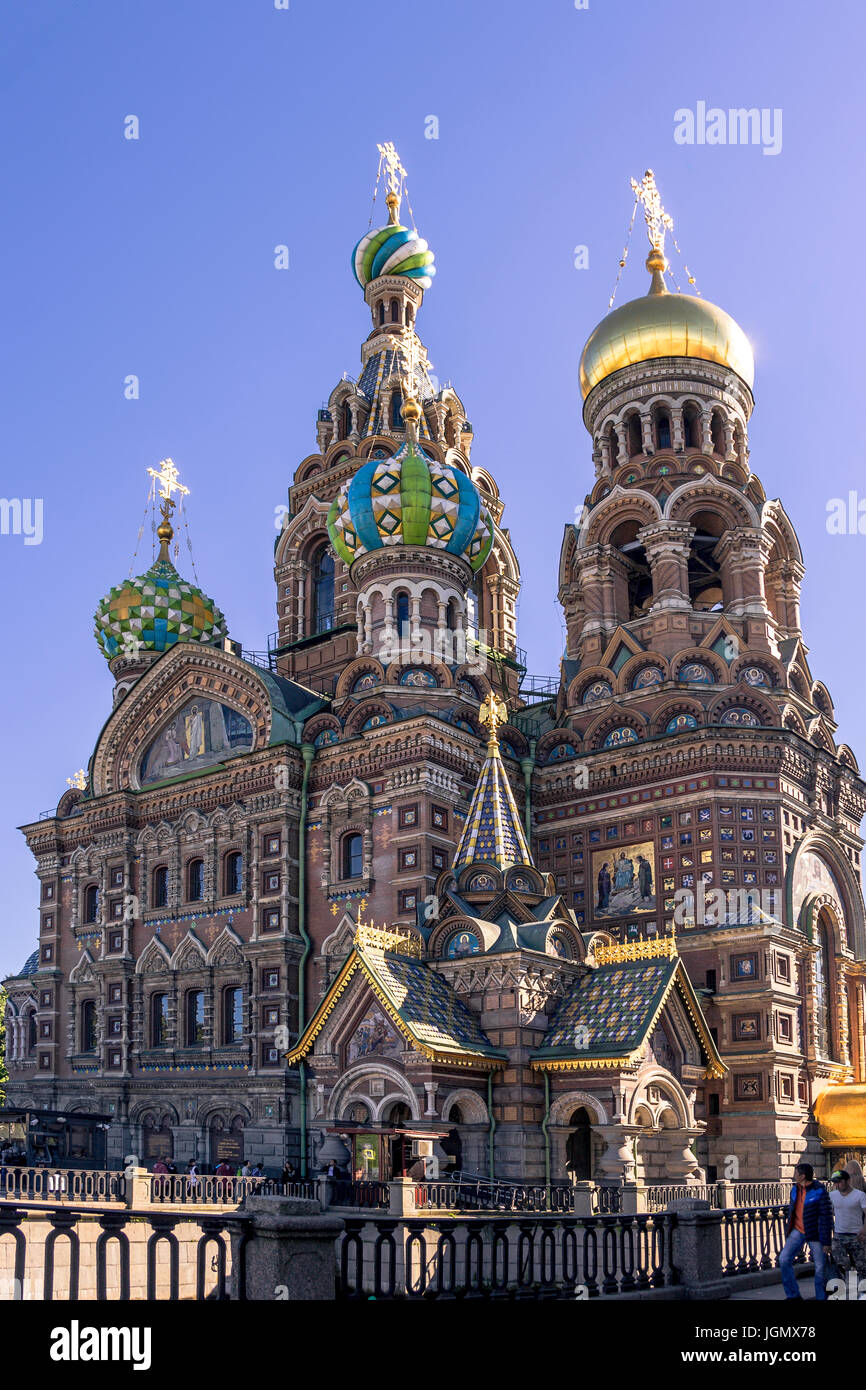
point(288, 1254)
point(681, 1162)
point(617, 1161)
point(667, 547)
point(697, 1249)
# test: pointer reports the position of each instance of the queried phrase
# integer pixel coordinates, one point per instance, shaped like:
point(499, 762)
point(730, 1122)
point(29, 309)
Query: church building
point(377, 884)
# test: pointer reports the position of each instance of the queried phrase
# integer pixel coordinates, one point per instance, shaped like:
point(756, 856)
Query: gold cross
point(657, 220)
point(78, 780)
point(167, 477)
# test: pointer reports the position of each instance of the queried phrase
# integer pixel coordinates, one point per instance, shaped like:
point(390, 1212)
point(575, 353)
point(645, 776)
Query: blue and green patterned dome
point(155, 611)
point(410, 499)
point(393, 250)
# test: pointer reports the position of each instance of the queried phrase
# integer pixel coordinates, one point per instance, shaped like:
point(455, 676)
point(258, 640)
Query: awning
point(841, 1115)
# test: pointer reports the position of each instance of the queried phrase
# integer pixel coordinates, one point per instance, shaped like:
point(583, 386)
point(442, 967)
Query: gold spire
point(167, 478)
point(492, 713)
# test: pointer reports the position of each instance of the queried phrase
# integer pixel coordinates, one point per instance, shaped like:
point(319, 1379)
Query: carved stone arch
point(619, 506)
point(799, 682)
point(190, 954)
point(684, 705)
point(82, 971)
point(360, 1073)
point(674, 1096)
point(365, 710)
point(436, 668)
point(820, 735)
point(744, 698)
point(821, 699)
point(479, 682)
point(774, 669)
point(552, 739)
point(614, 716)
point(368, 446)
point(705, 657)
point(319, 724)
point(188, 669)
point(567, 556)
point(583, 680)
point(599, 938)
point(155, 959)
point(707, 494)
point(340, 795)
point(228, 949)
point(627, 672)
point(564, 1106)
point(793, 720)
point(340, 942)
point(472, 1105)
point(777, 524)
point(486, 482)
point(209, 1109)
point(362, 666)
point(308, 524)
point(847, 758)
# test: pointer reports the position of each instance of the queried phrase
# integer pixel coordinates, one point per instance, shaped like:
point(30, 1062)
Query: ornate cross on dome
point(492, 713)
point(167, 478)
point(657, 220)
point(79, 780)
point(389, 160)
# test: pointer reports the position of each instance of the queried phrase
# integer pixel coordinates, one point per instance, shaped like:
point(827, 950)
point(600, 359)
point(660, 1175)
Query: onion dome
point(410, 499)
point(393, 250)
point(153, 612)
point(661, 324)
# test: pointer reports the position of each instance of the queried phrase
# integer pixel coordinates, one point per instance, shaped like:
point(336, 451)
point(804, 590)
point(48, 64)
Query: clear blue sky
point(258, 127)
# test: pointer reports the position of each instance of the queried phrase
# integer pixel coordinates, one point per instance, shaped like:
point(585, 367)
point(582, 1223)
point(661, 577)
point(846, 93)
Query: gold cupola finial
point(167, 478)
point(658, 222)
point(492, 713)
point(389, 161)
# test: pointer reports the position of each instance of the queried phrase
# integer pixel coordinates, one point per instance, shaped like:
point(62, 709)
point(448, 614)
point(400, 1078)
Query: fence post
point(137, 1187)
point(697, 1248)
point(584, 1193)
point(402, 1197)
point(634, 1198)
point(725, 1190)
point(286, 1251)
point(324, 1190)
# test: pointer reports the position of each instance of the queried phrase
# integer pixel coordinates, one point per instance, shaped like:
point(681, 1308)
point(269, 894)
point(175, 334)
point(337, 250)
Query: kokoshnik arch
point(208, 970)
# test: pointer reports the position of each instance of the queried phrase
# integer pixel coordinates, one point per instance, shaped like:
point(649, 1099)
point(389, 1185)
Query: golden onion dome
point(661, 324)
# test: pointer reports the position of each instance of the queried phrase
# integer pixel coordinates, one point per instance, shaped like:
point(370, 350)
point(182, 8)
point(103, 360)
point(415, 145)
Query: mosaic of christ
point(203, 732)
point(623, 880)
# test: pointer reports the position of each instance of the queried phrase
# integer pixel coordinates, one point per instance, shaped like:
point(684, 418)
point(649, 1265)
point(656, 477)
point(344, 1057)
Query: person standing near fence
point(810, 1222)
point(849, 1212)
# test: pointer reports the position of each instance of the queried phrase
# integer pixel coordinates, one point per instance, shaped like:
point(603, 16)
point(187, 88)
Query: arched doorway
point(578, 1146)
point(157, 1139)
point(226, 1141)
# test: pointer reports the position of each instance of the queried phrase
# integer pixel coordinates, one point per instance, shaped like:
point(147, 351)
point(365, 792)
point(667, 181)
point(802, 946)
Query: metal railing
point(476, 1195)
point(178, 1189)
point(373, 1196)
point(659, 1194)
point(509, 1257)
point(36, 1264)
point(61, 1184)
point(753, 1237)
point(759, 1194)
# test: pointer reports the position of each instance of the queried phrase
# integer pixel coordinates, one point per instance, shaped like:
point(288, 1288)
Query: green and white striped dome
point(410, 499)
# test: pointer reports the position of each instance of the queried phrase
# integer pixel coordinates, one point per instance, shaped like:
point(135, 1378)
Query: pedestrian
point(246, 1170)
point(224, 1170)
point(288, 1174)
point(849, 1212)
point(258, 1171)
point(171, 1167)
point(810, 1222)
point(160, 1166)
point(192, 1178)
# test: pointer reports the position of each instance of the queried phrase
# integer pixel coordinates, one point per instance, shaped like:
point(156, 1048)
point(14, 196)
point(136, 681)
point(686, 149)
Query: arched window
point(158, 1020)
point(88, 1026)
point(663, 430)
point(395, 311)
point(451, 615)
point(706, 581)
point(691, 427)
point(717, 434)
point(234, 873)
point(382, 311)
point(613, 446)
point(323, 591)
point(825, 1041)
point(31, 1031)
point(160, 886)
point(347, 420)
point(634, 597)
point(353, 856)
point(91, 903)
point(195, 1018)
point(578, 1146)
point(635, 437)
point(396, 411)
point(402, 614)
point(195, 880)
point(474, 610)
point(455, 1115)
point(233, 1015)
point(410, 316)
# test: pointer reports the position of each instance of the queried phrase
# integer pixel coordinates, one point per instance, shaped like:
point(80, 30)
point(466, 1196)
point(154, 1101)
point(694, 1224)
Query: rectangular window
point(408, 900)
point(783, 968)
point(45, 1028)
point(48, 922)
point(115, 941)
point(438, 859)
point(195, 1018)
point(408, 858)
point(233, 1015)
point(45, 1061)
point(711, 981)
point(270, 1055)
point(784, 1027)
point(117, 878)
point(115, 994)
point(439, 817)
point(115, 1026)
point(270, 979)
point(408, 815)
point(271, 846)
point(48, 892)
point(47, 953)
point(272, 883)
point(45, 999)
point(115, 1059)
point(271, 1016)
point(271, 919)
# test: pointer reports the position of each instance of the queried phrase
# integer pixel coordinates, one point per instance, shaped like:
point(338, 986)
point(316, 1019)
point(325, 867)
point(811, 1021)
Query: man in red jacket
point(810, 1221)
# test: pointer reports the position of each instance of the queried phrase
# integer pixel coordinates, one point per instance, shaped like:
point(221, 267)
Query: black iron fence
point(753, 1237)
point(525, 1257)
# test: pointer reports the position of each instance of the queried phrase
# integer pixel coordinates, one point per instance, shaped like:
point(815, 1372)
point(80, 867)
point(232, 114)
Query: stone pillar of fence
point(726, 1194)
point(325, 1191)
point(288, 1251)
point(634, 1198)
point(697, 1248)
point(584, 1196)
point(402, 1197)
point(137, 1183)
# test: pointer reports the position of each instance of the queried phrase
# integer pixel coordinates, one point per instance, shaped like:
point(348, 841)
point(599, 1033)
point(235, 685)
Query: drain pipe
point(491, 1128)
point(546, 1132)
point(528, 766)
point(308, 753)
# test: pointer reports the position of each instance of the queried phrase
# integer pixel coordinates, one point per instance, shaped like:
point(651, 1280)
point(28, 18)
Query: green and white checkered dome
point(410, 499)
point(154, 612)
